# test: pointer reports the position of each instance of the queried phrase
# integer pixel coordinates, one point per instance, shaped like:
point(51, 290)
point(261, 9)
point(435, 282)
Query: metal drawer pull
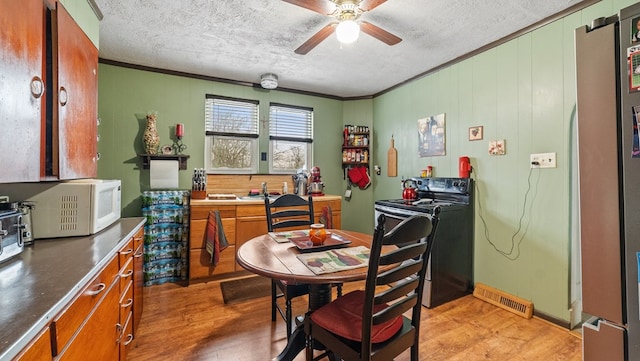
point(129, 339)
point(129, 303)
point(128, 274)
point(99, 288)
point(129, 251)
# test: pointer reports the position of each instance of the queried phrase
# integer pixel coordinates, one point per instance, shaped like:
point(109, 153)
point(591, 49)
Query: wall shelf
point(147, 158)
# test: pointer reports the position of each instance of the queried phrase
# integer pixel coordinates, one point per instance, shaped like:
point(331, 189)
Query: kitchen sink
point(256, 198)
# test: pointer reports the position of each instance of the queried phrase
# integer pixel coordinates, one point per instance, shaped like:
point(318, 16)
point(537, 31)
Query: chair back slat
point(398, 273)
point(393, 293)
point(395, 310)
point(288, 210)
point(402, 254)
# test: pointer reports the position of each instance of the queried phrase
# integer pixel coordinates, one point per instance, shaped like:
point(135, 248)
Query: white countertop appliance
point(69, 208)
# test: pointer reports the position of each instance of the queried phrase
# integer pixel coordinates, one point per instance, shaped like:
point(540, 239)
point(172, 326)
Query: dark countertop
point(36, 285)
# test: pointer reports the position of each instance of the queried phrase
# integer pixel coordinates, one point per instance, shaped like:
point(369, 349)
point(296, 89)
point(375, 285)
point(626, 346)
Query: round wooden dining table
point(264, 256)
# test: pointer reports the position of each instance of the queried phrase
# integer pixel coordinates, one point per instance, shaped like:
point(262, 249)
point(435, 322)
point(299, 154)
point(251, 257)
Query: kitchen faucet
point(264, 188)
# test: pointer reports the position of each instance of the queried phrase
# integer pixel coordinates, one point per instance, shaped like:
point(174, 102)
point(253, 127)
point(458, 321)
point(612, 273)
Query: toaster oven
point(11, 243)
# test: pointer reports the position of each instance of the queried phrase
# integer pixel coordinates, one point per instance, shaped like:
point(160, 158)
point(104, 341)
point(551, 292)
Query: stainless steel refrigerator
point(608, 104)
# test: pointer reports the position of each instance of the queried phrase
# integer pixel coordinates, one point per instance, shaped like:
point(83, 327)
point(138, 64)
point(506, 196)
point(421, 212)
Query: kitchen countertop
point(37, 284)
point(252, 200)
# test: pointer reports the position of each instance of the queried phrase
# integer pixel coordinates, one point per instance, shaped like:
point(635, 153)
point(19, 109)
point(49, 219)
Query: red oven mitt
point(354, 175)
point(365, 180)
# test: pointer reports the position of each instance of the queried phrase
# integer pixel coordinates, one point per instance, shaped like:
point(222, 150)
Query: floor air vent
point(504, 300)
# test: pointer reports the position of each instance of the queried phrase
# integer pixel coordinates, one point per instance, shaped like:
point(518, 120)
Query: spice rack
point(355, 146)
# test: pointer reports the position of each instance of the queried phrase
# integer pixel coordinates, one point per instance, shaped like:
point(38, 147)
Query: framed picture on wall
point(431, 135)
point(475, 133)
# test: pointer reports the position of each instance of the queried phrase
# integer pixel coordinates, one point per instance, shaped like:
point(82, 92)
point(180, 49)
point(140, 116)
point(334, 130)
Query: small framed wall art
point(475, 133)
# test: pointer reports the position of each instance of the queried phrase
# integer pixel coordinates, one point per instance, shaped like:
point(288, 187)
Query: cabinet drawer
point(71, 318)
point(202, 212)
point(201, 267)
point(125, 253)
point(138, 238)
point(97, 338)
point(126, 302)
point(251, 210)
point(126, 338)
point(197, 234)
point(126, 274)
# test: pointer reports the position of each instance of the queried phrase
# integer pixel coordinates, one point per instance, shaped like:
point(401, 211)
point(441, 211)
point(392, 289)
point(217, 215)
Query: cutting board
point(392, 161)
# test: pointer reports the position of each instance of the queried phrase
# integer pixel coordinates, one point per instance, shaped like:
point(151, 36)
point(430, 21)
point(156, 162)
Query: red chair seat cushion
point(343, 317)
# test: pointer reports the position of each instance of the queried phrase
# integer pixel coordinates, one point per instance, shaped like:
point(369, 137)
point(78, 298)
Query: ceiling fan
point(346, 27)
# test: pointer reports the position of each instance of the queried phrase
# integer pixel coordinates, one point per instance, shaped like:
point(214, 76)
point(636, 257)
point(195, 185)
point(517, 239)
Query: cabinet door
point(21, 88)
point(247, 228)
point(76, 100)
point(99, 337)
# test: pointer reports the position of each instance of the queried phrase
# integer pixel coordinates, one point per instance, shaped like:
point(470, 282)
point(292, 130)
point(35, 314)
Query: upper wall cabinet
point(22, 43)
point(48, 92)
point(76, 66)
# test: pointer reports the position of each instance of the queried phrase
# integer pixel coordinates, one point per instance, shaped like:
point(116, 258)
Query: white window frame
point(299, 133)
point(250, 134)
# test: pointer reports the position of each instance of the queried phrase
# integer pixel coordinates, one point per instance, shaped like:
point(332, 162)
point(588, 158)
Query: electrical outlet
point(543, 160)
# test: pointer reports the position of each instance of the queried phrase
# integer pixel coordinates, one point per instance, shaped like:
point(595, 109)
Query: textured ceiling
point(241, 39)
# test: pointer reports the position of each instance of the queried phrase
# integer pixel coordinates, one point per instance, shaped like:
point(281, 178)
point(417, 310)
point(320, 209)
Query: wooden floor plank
point(193, 324)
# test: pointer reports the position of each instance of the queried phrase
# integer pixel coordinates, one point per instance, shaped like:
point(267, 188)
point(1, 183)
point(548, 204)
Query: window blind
point(290, 123)
point(231, 117)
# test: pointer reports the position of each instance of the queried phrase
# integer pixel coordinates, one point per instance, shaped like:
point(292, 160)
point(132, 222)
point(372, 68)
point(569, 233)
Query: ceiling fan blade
point(378, 33)
point(316, 39)
point(368, 5)
point(324, 7)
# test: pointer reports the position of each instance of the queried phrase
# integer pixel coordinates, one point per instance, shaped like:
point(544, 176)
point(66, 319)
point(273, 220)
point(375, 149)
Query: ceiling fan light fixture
point(269, 81)
point(347, 31)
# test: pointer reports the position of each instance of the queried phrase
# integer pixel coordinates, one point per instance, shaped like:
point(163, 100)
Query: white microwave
point(69, 208)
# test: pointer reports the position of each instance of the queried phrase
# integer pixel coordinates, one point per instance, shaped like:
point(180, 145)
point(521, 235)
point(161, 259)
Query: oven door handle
point(397, 214)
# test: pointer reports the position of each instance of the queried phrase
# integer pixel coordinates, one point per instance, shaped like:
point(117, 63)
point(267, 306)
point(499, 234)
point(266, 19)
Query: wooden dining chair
point(288, 211)
point(370, 324)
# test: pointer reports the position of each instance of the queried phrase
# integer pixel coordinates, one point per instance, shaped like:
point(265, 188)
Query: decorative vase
point(150, 138)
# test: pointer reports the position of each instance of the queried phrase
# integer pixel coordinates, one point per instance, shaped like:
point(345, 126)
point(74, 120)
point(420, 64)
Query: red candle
point(179, 130)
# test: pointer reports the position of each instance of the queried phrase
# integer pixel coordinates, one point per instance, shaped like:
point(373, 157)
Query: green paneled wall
point(523, 92)
point(127, 95)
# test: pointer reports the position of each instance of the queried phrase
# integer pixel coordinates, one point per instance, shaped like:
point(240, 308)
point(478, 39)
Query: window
point(231, 127)
point(290, 137)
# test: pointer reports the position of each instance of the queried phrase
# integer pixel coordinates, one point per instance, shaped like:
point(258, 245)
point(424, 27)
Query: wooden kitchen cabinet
point(22, 88)
point(241, 222)
point(48, 111)
point(39, 349)
point(75, 111)
point(91, 319)
point(200, 266)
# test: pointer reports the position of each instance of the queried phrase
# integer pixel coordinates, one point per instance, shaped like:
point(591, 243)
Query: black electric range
point(450, 272)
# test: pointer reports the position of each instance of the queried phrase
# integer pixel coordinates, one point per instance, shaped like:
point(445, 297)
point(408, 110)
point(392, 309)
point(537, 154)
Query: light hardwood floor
point(193, 323)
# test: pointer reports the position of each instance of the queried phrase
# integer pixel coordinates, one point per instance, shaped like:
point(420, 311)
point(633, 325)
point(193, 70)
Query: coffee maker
point(316, 186)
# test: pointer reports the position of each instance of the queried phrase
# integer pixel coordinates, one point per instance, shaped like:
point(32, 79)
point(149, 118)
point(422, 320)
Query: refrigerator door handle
point(603, 340)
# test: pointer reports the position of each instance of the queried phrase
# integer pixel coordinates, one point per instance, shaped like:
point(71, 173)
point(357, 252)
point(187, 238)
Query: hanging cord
point(514, 245)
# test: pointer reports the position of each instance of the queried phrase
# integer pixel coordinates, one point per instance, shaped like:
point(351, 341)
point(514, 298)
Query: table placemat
point(336, 260)
point(282, 237)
